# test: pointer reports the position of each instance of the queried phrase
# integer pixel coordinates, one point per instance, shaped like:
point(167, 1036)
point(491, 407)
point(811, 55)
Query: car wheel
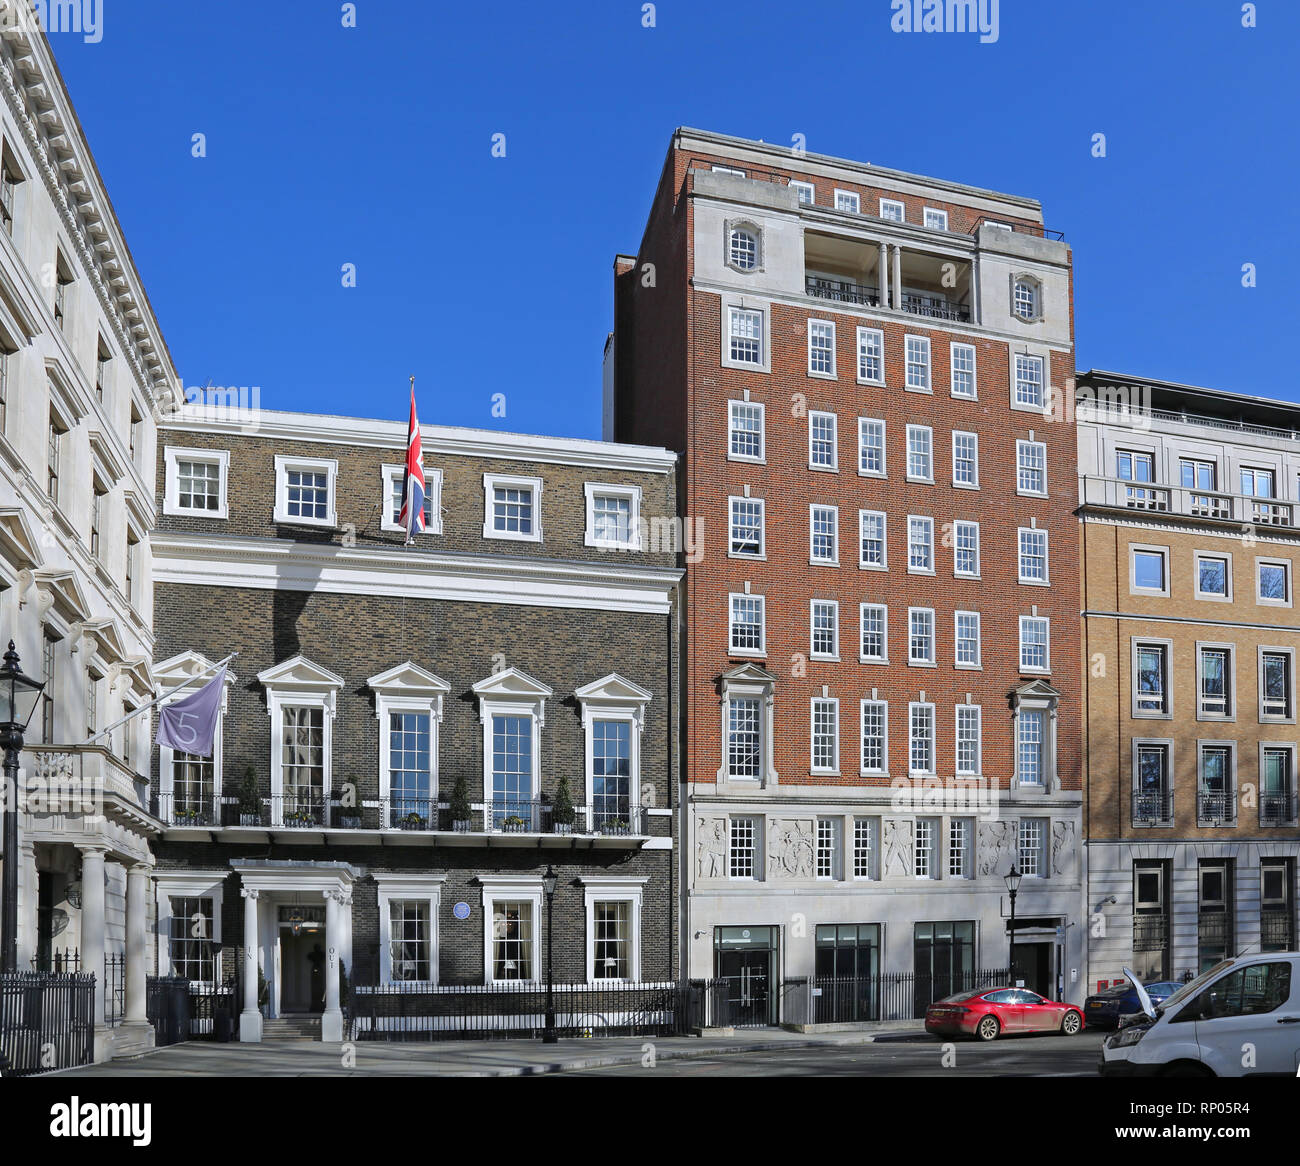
point(1071, 1024)
point(988, 1028)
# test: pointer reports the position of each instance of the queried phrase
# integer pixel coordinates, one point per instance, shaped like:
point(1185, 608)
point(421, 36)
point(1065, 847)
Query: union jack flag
point(411, 516)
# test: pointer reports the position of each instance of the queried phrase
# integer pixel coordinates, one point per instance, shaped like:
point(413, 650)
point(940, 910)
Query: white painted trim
point(612, 698)
point(879, 334)
point(280, 564)
point(834, 560)
point(834, 653)
point(407, 688)
point(510, 481)
point(737, 304)
point(863, 423)
point(884, 633)
point(825, 376)
point(606, 889)
point(432, 491)
point(762, 432)
point(518, 888)
point(974, 394)
point(862, 740)
point(425, 888)
point(173, 455)
point(907, 466)
point(285, 463)
point(891, 203)
point(732, 650)
point(194, 884)
point(633, 495)
point(852, 200)
point(823, 414)
point(883, 565)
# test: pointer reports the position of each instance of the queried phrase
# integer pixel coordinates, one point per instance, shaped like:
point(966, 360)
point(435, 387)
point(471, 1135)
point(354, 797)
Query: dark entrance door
point(745, 957)
point(1032, 968)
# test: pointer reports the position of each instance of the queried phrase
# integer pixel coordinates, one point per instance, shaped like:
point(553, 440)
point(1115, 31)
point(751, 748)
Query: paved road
point(1030, 1056)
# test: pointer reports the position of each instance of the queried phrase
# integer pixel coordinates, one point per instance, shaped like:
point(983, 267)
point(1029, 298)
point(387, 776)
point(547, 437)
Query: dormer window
point(743, 247)
point(1026, 298)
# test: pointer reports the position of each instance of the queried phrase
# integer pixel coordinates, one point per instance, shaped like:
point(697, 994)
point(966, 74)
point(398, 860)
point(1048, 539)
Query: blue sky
point(479, 275)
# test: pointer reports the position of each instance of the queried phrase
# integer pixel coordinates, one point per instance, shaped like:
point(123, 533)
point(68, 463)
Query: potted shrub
point(459, 807)
point(250, 799)
point(412, 821)
point(562, 807)
point(514, 824)
point(349, 817)
point(615, 826)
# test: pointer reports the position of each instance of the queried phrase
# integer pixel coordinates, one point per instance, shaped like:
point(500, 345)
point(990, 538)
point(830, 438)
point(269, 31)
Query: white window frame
point(1048, 746)
point(1209, 596)
point(298, 683)
point(758, 823)
point(932, 659)
point(929, 433)
point(408, 688)
point(864, 425)
point(884, 633)
point(829, 845)
point(754, 234)
point(1044, 366)
point(755, 686)
point(979, 740)
point(750, 653)
point(1040, 827)
point(1289, 718)
point(764, 363)
point(933, 212)
point(511, 481)
point(863, 770)
point(404, 888)
point(911, 570)
point(822, 415)
point(834, 561)
point(1230, 681)
point(1035, 288)
point(512, 889)
point(901, 217)
point(1285, 564)
point(1024, 668)
point(762, 432)
point(186, 884)
point(762, 527)
point(824, 324)
point(934, 739)
point(926, 844)
point(1143, 548)
point(511, 693)
point(172, 457)
point(1022, 446)
point(975, 459)
point(632, 494)
point(392, 493)
point(869, 826)
point(974, 393)
point(879, 337)
point(957, 573)
point(928, 387)
point(612, 698)
point(614, 889)
point(1022, 578)
point(834, 607)
point(283, 464)
point(961, 855)
point(800, 188)
point(168, 675)
point(834, 705)
point(851, 199)
point(883, 565)
point(978, 663)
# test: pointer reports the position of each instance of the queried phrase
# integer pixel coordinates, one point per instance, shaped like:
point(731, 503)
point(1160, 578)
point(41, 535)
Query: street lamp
point(549, 879)
point(1012, 880)
point(19, 695)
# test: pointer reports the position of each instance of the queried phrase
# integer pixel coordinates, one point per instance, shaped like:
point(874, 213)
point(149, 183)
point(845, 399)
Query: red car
point(989, 1012)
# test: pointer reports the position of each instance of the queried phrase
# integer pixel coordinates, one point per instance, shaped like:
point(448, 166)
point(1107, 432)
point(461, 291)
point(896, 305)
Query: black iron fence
point(46, 1021)
point(884, 997)
point(180, 1010)
point(402, 1012)
point(114, 988)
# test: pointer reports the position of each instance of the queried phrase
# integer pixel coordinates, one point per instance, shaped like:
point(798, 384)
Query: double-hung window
point(968, 740)
point(866, 846)
point(1031, 741)
point(744, 737)
point(821, 348)
point(823, 446)
point(967, 625)
point(920, 453)
point(936, 220)
point(917, 352)
point(305, 491)
point(963, 371)
point(1032, 848)
point(893, 210)
point(1034, 655)
point(825, 735)
point(1033, 554)
point(1029, 390)
point(925, 857)
point(965, 460)
point(920, 635)
point(613, 516)
point(823, 523)
point(966, 549)
point(1031, 468)
point(871, 447)
point(747, 527)
point(743, 849)
point(871, 356)
point(961, 836)
point(745, 431)
point(745, 337)
point(875, 619)
point(871, 553)
point(825, 620)
point(748, 635)
point(848, 200)
point(921, 738)
point(875, 723)
point(920, 545)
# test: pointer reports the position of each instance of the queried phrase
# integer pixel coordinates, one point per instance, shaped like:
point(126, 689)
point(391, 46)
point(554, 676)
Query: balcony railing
point(1277, 809)
point(1153, 808)
point(1150, 932)
point(1276, 929)
point(1100, 409)
point(77, 779)
point(301, 810)
point(1194, 502)
point(842, 291)
point(1216, 809)
point(936, 308)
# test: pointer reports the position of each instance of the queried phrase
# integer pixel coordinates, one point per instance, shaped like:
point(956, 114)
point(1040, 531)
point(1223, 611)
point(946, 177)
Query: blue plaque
point(461, 910)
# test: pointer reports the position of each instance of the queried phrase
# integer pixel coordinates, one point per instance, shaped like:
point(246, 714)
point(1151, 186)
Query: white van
point(1239, 1019)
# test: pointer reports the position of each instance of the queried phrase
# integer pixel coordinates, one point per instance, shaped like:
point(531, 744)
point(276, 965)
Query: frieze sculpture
point(790, 851)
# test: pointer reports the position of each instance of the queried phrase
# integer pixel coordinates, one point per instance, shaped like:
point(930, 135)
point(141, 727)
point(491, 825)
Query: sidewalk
point(470, 1058)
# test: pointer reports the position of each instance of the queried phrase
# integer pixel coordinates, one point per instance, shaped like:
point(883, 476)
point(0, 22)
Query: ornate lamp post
point(1012, 880)
point(19, 695)
point(549, 1035)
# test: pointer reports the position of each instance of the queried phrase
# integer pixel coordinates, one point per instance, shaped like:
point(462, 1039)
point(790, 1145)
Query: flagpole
point(144, 708)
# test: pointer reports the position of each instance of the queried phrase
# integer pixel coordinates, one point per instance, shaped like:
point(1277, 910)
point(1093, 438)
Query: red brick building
point(864, 371)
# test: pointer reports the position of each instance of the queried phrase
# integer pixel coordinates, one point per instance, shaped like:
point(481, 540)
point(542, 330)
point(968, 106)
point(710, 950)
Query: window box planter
point(618, 828)
point(350, 821)
point(514, 825)
point(562, 827)
point(412, 821)
point(462, 825)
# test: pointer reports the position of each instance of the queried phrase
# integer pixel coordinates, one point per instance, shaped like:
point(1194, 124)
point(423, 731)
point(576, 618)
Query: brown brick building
point(864, 372)
point(1191, 542)
point(399, 720)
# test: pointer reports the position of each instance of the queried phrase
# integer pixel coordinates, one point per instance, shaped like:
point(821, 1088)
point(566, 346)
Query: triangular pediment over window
point(407, 678)
point(1034, 690)
point(748, 674)
point(69, 599)
point(18, 541)
point(511, 684)
point(300, 673)
point(612, 689)
point(108, 637)
point(180, 668)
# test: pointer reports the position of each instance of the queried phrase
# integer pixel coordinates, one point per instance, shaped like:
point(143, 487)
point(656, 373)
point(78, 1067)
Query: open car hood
point(1143, 997)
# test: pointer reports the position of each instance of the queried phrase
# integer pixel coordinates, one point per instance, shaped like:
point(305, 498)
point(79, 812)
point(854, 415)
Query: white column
point(898, 277)
point(136, 1031)
point(92, 940)
point(28, 897)
point(331, 1023)
point(883, 278)
point(250, 1019)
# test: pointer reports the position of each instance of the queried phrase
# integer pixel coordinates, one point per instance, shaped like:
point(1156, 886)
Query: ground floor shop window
point(944, 961)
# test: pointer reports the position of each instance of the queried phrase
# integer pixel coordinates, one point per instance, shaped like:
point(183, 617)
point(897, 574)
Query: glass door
point(1197, 474)
point(1136, 467)
point(745, 957)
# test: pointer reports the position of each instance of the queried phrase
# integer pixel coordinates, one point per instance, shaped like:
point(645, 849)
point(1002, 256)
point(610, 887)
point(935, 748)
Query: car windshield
point(1193, 986)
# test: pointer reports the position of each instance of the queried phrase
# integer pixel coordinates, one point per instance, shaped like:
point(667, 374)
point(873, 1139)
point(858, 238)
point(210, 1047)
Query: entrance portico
point(297, 930)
